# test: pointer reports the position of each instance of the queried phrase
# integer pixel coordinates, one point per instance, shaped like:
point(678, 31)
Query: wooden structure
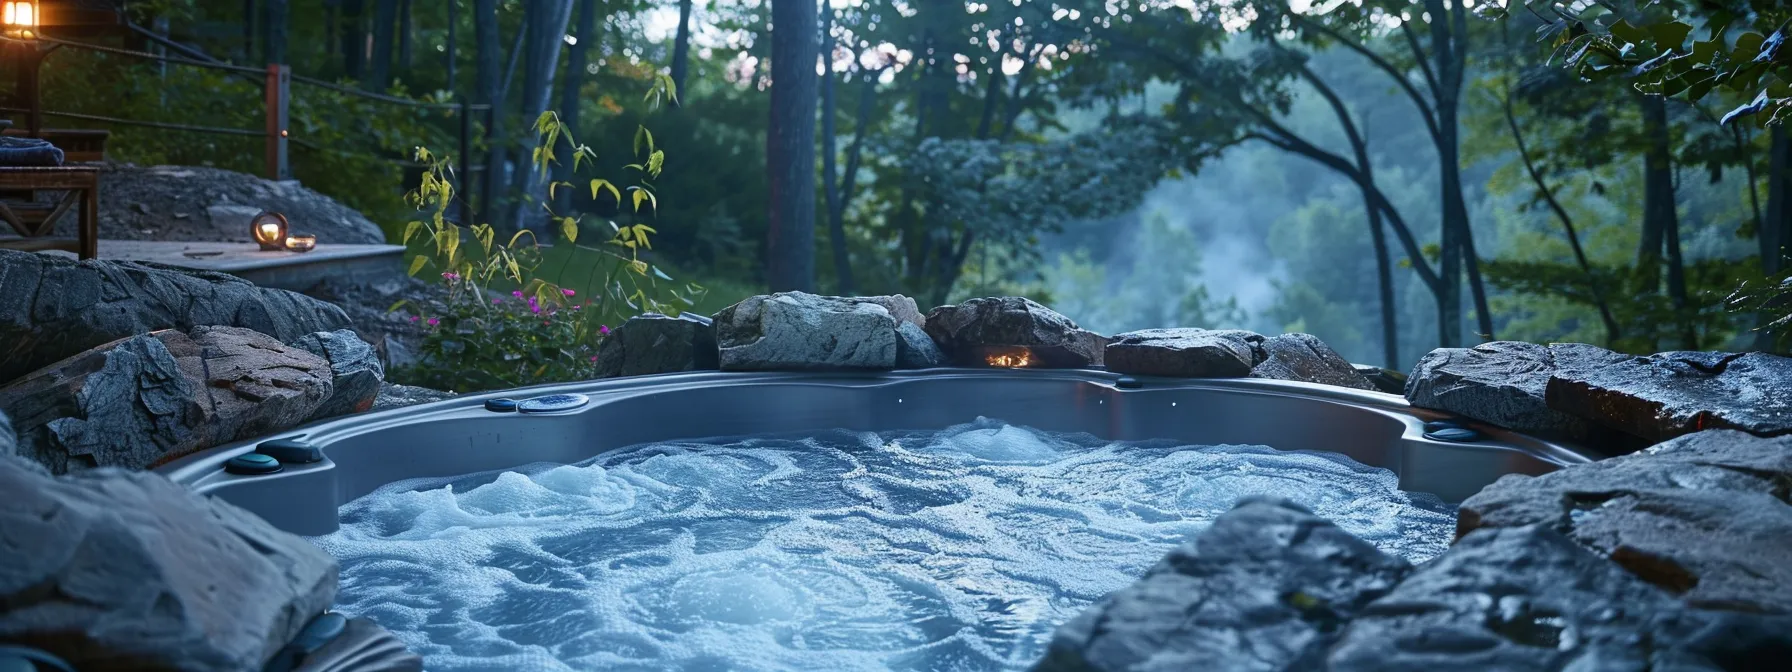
point(34, 220)
point(78, 145)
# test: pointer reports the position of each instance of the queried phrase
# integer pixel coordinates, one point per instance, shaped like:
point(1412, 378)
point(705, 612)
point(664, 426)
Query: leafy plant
point(1680, 48)
point(1771, 298)
point(502, 325)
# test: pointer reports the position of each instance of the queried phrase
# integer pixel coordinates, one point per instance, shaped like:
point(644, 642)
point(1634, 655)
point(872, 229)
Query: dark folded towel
point(28, 152)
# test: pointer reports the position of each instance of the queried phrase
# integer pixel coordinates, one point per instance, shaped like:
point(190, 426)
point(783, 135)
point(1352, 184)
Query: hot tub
point(461, 436)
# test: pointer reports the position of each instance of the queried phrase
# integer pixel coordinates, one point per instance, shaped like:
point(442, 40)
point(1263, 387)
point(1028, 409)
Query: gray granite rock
point(9, 448)
point(1266, 587)
point(1501, 383)
point(1524, 598)
point(144, 400)
point(801, 331)
point(1384, 380)
point(113, 569)
point(355, 371)
point(915, 349)
point(363, 646)
point(901, 307)
point(52, 307)
point(967, 332)
point(1183, 353)
point(399, 396)
point(1305, 358)
point(1662, 396)
point(1703, 516)
point(652, 343)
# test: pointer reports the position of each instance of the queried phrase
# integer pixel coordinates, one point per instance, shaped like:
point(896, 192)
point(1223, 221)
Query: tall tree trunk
point(790, 148)
point(548, 33)
point(405, 30)
point(829, 148)
point(487, 60)
point(1450, 229)
point(570, 86)
point(249, 30)
point(681, 48)
point(1658, 202)
point(385, 19)
point(354, 38)
point(453, 50)
point(274, 46)
point(1774, 234)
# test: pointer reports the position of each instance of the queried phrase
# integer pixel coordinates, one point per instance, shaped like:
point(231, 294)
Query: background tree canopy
point(1390, 176)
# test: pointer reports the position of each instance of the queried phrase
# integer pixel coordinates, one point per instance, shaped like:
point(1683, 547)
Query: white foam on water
point(944, 550)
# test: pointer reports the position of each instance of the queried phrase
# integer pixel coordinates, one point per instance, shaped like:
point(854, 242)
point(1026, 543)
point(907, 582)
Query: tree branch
point(1383, 64)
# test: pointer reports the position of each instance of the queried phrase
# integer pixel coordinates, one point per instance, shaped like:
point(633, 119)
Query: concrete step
point(297, 271)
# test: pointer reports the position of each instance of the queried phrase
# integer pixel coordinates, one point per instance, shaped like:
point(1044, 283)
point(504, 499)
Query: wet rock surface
point(398, 396)
point(801, 331)
point(916, 350)
point(363, 646)
point(1501, 383)
point(1704, 516)
point(1662, 396)
point(144, 400)
point(212, 204)
point(653, 343)
point(113, 569)
point(1184, 353)
point(355, 371)
point(52, 308)
point(1587, 393)
point(963, 332)
point(1522, 598)
point(1231, 353)
point(1266, 587)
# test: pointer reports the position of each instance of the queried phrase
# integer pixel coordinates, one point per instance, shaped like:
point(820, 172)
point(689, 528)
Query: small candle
point(301, 243)
point(269, 231)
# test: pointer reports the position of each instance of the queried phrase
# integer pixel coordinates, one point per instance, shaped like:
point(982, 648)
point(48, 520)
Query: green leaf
point(417, 264)
point(1748, 45)
point(410, 231)
point(660, 274)
point(1629, 33)
point(1671, 35)
point(640, 133)
point(399, 304)
point(569, 229)
point(605, 184)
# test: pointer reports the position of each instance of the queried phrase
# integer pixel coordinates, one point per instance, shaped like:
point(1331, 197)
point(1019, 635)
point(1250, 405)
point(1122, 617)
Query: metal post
point(278, 85)
point(465, 195)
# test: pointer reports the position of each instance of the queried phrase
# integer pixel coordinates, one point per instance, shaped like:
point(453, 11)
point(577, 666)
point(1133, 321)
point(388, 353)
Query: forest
point(1389, 176)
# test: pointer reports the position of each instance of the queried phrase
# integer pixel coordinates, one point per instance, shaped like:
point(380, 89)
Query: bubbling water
point(939, 550)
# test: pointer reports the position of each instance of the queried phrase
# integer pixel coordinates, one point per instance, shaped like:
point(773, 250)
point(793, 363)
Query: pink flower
point(497, 300)
point(414, 318)
point(517, 293)
point(604, 329)
point(450, 275)
point(545, 323)
point(594, 358)
point(434, 321)
point(568, 292)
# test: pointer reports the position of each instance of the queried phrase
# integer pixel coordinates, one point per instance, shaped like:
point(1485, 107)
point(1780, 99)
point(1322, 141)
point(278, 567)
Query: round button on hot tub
point(553, 403)
point(252, 464)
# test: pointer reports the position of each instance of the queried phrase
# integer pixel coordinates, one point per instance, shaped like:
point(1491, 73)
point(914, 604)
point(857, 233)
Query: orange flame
point(1012, 359)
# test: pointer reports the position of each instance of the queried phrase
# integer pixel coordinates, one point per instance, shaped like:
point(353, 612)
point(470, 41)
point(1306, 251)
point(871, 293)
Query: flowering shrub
point(499, 325)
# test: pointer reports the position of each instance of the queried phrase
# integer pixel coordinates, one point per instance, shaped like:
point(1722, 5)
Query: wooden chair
point(34, 220)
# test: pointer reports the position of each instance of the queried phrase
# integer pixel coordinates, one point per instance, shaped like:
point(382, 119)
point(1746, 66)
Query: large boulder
point(801, 331)
point(1231, 353)
point(1528, 598)
point(52, 307)
point(1662, 396)
point(1266, 587)
point(119, 570)
point(143, 400)
point(355, 371)
point(214, 204)
point(652, 343)
point(1501, 383)
point(972, 331)
point(1305, 358)
point(1703, 516)
point(1184, 353)
point(915, 349)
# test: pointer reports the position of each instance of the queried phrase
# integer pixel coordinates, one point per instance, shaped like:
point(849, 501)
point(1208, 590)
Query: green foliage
point(1649, 318)
point(542, 332)
point(1770, 298)
point(1681, 48)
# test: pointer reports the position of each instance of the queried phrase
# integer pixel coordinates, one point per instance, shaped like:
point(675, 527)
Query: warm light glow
point(1016, 358)
point(301, 243)
point(269, 230)
point(19, 14)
